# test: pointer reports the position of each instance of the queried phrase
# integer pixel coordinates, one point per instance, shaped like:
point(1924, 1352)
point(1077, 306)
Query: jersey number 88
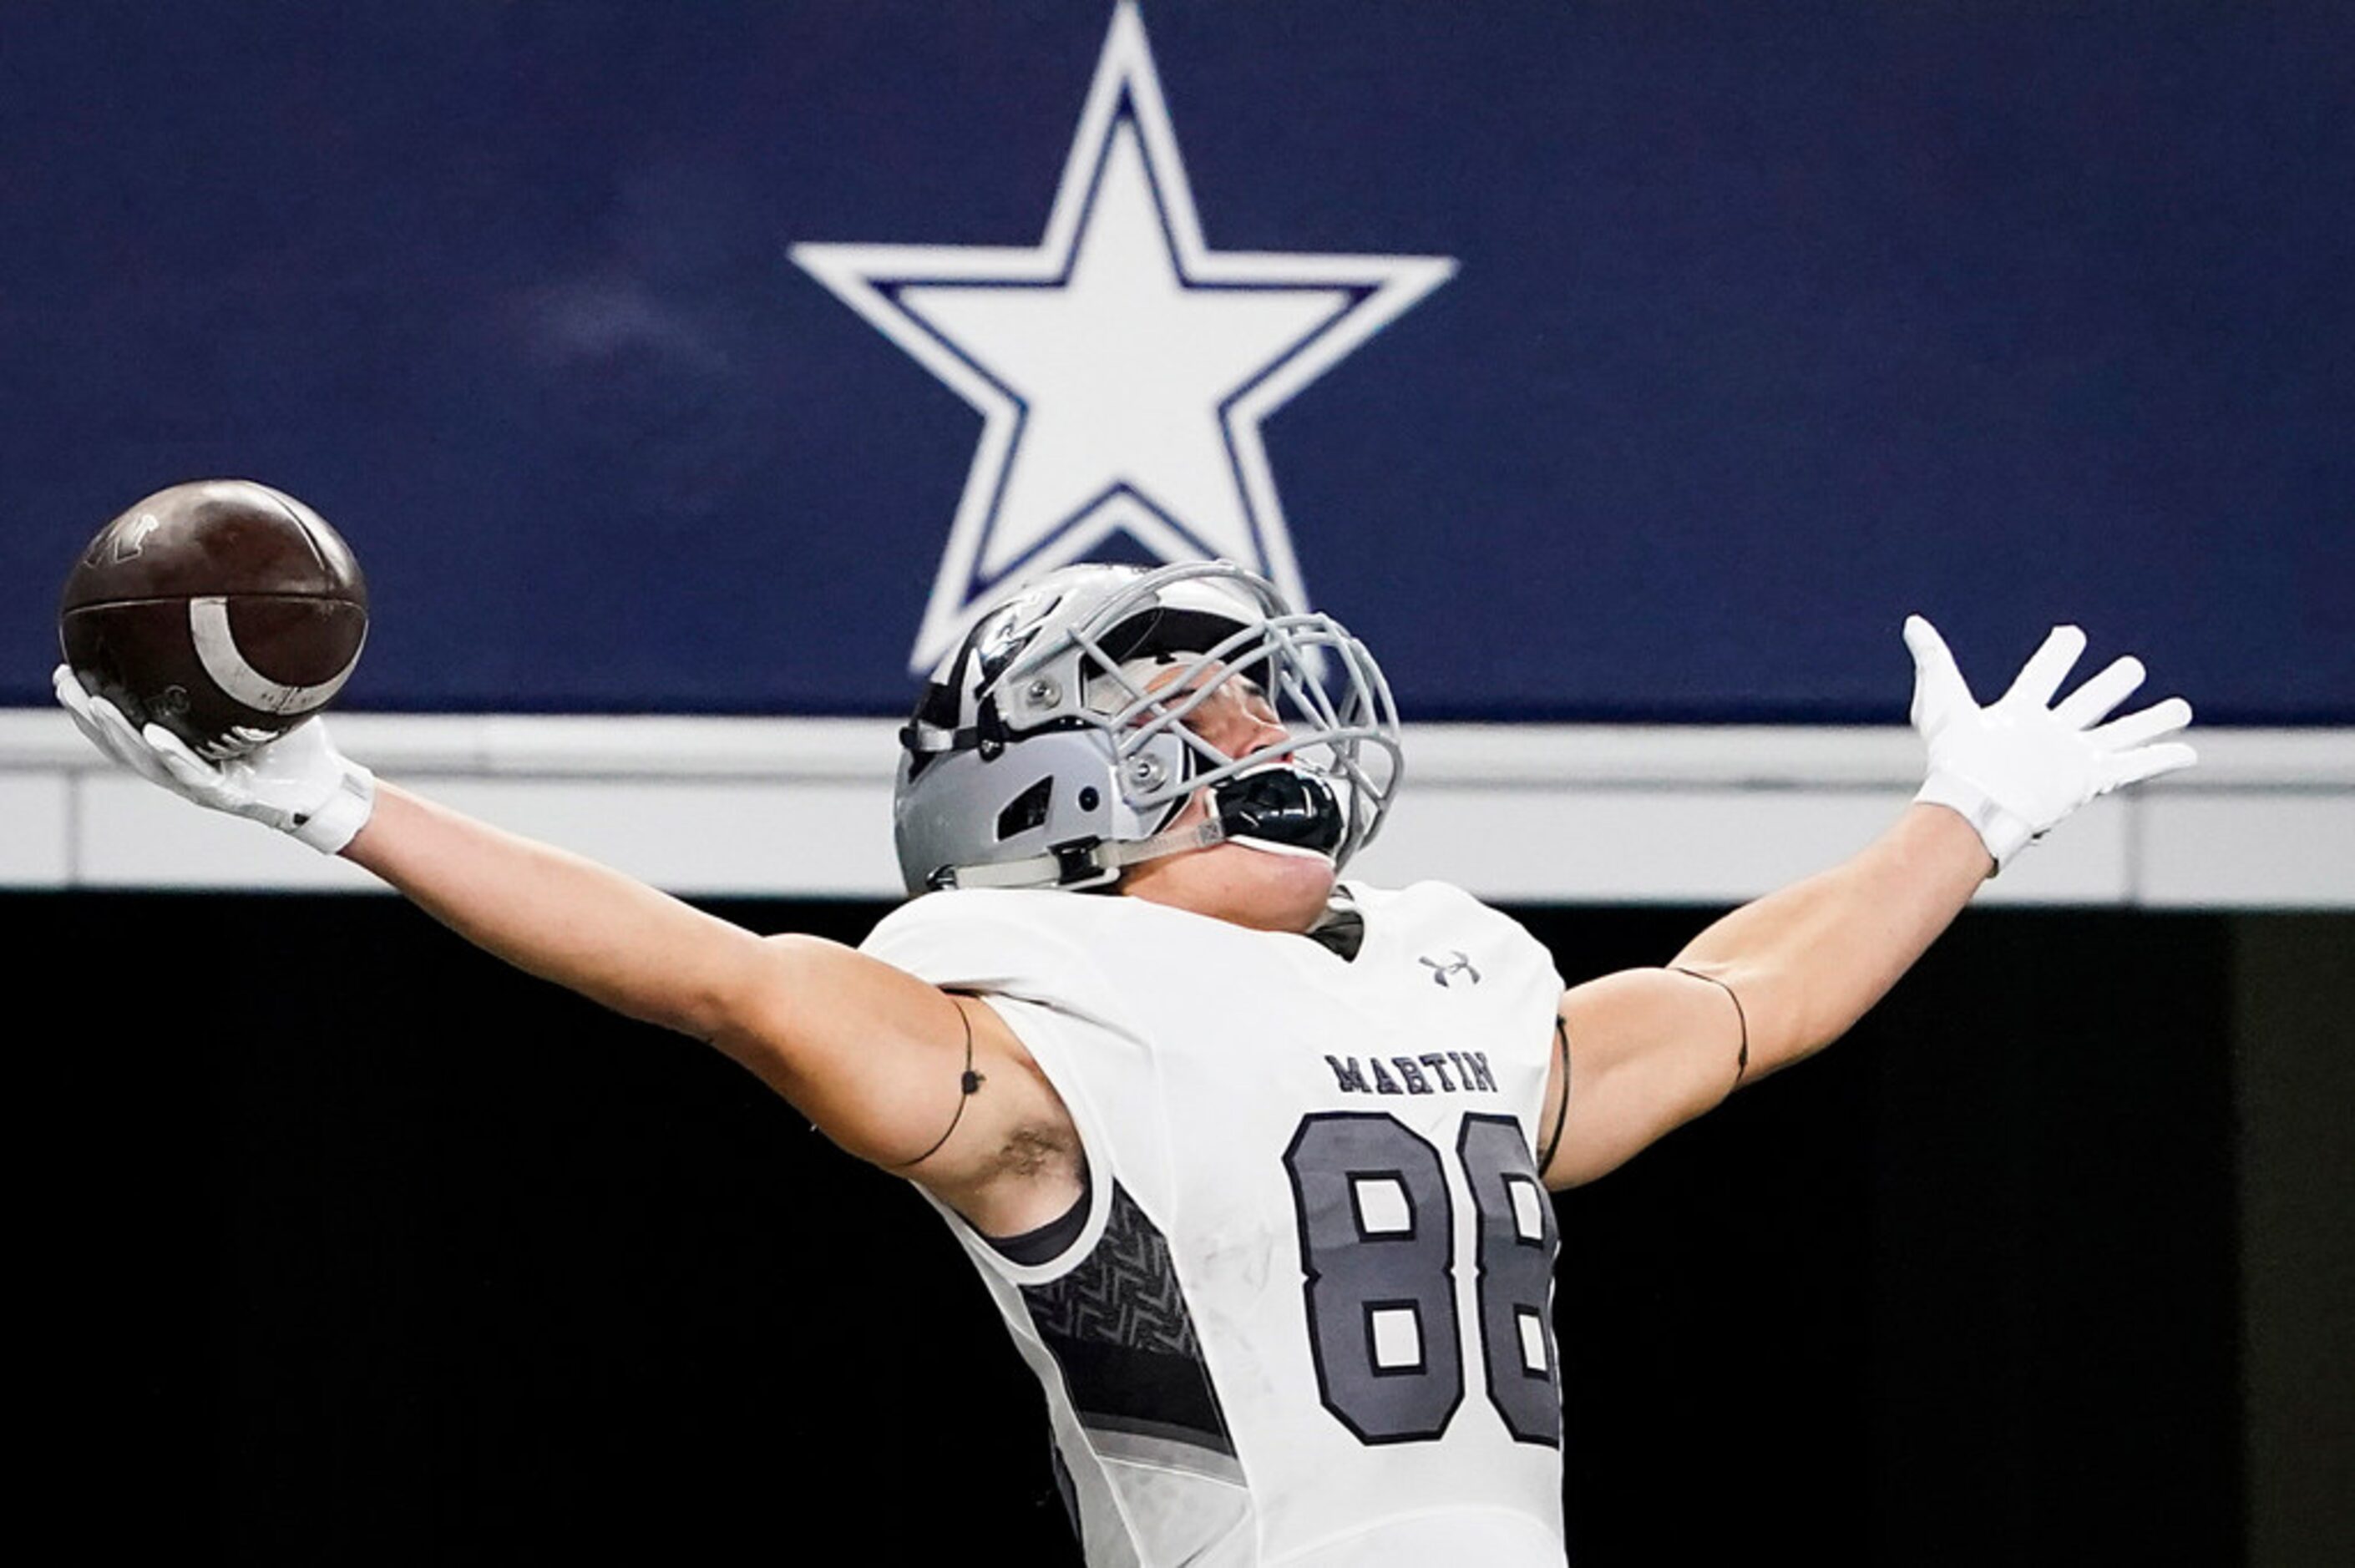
point(1376, 1243)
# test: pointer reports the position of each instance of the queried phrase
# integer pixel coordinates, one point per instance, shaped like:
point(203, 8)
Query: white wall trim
point(1570, 813)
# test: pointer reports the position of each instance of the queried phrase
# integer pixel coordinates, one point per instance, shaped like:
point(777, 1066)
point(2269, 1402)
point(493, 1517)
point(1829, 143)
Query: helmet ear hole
point(1027, 811)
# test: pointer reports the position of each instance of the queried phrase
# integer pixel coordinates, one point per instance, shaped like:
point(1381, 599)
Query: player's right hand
point(299, 783)
point(2020, 765)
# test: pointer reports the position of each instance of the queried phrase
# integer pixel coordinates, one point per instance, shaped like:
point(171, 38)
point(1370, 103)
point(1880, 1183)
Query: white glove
point(2016, 769)
point(299, 783)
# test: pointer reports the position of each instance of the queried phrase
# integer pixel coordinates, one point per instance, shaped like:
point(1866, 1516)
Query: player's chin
point(1287, 889)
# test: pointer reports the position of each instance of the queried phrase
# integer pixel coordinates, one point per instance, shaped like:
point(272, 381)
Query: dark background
point(360, 1247)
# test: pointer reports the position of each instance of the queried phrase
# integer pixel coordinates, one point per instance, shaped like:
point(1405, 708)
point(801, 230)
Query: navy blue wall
point(1767, 328)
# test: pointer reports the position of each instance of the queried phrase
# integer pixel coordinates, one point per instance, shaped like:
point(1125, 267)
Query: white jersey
point(1307, 1317)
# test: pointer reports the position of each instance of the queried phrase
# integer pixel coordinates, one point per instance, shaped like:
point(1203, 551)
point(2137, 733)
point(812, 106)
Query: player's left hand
point(2017, 767)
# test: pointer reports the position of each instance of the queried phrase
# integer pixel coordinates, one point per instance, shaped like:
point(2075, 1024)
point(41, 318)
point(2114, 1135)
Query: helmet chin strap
point(1183, 840)
point(1091, 867)
point(1245, 802)
point(1160, 846)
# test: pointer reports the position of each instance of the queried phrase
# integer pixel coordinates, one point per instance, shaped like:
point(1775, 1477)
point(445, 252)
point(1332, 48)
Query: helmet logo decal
point(1121, 366)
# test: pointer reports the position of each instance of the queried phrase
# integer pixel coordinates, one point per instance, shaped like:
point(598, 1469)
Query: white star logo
point(1121, 368)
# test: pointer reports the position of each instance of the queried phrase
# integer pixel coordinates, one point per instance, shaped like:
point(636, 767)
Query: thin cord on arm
point(968, 1083)
point(1561, 1111)
point(1742, 1063)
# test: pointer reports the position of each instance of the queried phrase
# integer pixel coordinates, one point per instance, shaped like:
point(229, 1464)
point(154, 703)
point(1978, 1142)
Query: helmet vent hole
point(1026, 811)
point(1089, 799)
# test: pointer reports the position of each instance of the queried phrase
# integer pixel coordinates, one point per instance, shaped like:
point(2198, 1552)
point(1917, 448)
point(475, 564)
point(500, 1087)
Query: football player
point(1253, 1159)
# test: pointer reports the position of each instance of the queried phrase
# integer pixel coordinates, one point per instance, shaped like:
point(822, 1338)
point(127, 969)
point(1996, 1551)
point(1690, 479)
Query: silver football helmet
point(1052, 748)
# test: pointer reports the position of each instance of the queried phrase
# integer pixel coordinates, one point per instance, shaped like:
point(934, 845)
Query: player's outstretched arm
point(1780, 978)
point(878, 1058)
point(869, 1053)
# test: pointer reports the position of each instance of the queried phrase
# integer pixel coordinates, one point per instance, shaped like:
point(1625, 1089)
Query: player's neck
point(1252, 888)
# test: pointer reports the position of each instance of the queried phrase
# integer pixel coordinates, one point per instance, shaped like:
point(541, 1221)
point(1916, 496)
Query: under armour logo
point(1439, 971)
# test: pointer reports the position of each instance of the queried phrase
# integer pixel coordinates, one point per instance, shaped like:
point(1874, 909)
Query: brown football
point(222, 609)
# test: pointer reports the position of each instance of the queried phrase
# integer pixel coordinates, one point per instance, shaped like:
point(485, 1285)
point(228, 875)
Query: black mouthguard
point(1281, 806)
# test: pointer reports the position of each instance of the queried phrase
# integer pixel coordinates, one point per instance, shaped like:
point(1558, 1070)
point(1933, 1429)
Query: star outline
point(1125, 96)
